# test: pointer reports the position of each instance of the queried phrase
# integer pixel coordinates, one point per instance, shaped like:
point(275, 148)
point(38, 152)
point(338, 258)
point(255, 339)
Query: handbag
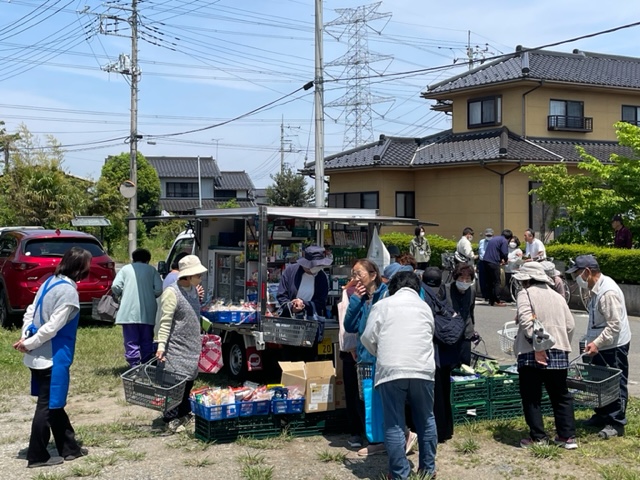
point(373, 412)
point(210, 360)
point(541, 340)
point(108, 308)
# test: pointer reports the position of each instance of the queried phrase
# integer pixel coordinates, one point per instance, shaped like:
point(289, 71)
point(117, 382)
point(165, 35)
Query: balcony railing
point(574, 124)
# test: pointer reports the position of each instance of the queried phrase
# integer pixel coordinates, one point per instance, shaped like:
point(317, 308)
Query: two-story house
point(188, 183)
point(529, 107)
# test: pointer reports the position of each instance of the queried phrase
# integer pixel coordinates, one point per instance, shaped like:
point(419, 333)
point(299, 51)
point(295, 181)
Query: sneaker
point(83, 452)
point(611, 431)
point(529, 442)
point(49, 463)
point(412, 439)
point(372, 449)
point(566, 443)
point(355, 441)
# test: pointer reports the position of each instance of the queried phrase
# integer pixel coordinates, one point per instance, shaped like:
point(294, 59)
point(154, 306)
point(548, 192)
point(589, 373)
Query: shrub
point(620, 264)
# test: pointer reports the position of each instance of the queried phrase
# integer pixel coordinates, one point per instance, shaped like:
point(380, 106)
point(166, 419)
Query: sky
point(206, 62)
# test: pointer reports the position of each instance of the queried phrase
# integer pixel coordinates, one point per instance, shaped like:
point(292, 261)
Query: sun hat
point(190, 265)
point(314, 256)
point(488, 232)
point(584, 261)
point(393, 268)
point(532, 271)
point(549, 268)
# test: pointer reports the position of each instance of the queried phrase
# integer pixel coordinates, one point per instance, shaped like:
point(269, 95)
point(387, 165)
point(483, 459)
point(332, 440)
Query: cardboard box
point(318, 380)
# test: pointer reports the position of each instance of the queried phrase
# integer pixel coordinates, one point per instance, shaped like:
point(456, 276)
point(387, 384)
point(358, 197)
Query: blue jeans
point(419, 393)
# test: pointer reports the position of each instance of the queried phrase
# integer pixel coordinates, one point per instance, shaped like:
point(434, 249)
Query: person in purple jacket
point(304, 286)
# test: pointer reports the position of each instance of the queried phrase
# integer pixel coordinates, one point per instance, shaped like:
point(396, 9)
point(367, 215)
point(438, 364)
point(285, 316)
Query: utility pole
point(128, 66)
point(282, 146)
point(319, 112)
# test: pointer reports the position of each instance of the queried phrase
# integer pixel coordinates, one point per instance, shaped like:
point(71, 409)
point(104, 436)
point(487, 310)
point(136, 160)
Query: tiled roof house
point(528, 107)
point(179, 184)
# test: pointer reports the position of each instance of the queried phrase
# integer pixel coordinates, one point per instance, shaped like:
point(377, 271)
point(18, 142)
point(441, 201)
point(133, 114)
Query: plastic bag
point(210, 360)
point(348, 341)
point(378, 253)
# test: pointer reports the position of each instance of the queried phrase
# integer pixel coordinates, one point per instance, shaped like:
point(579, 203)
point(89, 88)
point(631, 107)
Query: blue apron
point(63, 346)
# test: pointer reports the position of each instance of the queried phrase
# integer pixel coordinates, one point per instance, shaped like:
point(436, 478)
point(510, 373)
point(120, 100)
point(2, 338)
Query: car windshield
point(57, 247)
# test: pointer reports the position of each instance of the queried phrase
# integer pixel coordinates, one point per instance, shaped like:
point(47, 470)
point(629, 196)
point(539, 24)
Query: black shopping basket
point(592, 385)
point(151, 386)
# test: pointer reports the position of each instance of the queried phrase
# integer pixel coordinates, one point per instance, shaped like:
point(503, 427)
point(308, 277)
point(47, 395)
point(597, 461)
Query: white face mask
point(512, 245)
point(582, 282)
point(463, 286)
point(315, 270)
point(422, 234)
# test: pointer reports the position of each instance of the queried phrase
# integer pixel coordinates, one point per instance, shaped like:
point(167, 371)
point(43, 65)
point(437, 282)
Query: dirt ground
point(122, 446)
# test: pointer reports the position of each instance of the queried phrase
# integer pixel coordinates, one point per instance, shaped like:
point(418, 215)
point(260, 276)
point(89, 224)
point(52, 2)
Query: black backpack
point(449, 326)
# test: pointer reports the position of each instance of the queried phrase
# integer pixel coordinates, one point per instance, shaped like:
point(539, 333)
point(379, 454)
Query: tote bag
point(210, 360)
point(374, 419)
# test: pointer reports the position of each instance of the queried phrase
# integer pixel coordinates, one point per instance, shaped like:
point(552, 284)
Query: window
point(354, 200)
point(484, 111)
point(406, 204)
point(568, 115)
point(7, 246)
point(225, 194)
point(182, 190)
point(631, 114)
point(57, 247)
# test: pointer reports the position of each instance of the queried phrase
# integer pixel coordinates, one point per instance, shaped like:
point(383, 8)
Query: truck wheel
point(235, 357)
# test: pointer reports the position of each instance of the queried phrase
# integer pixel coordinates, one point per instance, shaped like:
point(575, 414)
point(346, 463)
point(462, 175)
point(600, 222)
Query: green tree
point(586, 201)
point(35, 188)
point(109, 201)
point(289, 189)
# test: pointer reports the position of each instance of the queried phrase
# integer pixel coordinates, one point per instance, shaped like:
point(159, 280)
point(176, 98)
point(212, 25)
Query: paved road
point(491, 319)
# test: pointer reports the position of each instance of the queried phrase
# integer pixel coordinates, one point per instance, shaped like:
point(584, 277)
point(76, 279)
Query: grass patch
point(50, 476)
point(548, 452)
point(274, 443)
point(618, 472)
point(131, 456)
point(331, 456)
point(198, 462)
point(85, 470)
point(256, 472)
point(250, 459)
point(467, 446)
point(103, 460)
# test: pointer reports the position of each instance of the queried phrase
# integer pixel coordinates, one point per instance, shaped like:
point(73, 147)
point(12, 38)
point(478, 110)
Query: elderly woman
point(543, 357)
point(304, 286)
point(179, 341)
point(48, 341)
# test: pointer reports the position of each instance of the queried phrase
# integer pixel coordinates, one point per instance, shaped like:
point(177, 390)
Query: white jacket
point(399, 333)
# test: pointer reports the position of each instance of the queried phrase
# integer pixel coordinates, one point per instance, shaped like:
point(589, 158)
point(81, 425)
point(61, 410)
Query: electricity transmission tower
point(358, 99)
point(127, 65)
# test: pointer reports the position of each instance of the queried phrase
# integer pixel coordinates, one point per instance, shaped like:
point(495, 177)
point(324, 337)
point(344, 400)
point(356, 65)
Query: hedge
point(620, 264)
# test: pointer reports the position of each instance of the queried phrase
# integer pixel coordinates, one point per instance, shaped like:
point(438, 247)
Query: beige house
point(529, 107)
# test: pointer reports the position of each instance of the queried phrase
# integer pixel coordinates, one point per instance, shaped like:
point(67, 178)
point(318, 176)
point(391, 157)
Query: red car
point(29, 257)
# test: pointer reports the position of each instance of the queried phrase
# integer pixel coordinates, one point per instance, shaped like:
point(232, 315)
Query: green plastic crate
point(505, 388)
point(469, 391)
point(471, 412)
point(506, 409)
point(227, 431)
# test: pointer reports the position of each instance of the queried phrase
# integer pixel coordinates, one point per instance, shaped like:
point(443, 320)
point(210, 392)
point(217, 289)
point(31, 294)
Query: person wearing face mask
point(544, 360)
point(419, 249)
point(464, 251)
point(607, 340)
point(304, 286)
point(514, 260)
point(461, 296)
point(179, 342)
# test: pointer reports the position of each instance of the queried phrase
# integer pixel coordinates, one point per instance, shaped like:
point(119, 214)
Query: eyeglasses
point(358, 273)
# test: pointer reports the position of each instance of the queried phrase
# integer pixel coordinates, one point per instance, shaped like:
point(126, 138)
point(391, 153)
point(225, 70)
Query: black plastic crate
point(303, 424)
point(227, 431)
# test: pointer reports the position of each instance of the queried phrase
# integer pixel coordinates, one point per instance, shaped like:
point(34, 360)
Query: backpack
point(449, 326)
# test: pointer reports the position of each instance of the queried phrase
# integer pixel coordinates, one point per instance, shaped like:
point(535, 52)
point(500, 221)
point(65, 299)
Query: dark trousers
point(355, 406)
point(555, 381)
point(138, 343)
point(442, 403)
point(185, 406)
point(493, 286)
point(615, 413)
point(47, 421)
point(422, 265)
point(482, 278)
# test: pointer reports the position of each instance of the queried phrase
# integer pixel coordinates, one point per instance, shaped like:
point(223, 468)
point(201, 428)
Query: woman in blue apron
point(48, 342)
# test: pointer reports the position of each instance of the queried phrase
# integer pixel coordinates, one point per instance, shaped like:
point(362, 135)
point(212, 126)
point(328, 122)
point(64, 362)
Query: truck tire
point(235, 357)
point(6, 319)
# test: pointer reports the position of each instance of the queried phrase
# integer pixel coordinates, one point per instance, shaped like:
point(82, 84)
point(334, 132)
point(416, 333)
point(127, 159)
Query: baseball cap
point(584, 261)
point(488, 232)
point(617, 218)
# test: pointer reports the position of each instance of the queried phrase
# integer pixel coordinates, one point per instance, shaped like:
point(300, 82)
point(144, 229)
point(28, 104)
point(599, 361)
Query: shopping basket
point(297, 332)
point(151, 386)
point(365, 371)
point(507, 337)
point(592, 385)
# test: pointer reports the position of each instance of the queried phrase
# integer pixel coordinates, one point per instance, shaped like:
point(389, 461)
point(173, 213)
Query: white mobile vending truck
point(246, 249)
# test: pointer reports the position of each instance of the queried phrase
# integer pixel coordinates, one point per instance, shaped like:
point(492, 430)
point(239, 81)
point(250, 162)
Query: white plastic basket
point(507, 337)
